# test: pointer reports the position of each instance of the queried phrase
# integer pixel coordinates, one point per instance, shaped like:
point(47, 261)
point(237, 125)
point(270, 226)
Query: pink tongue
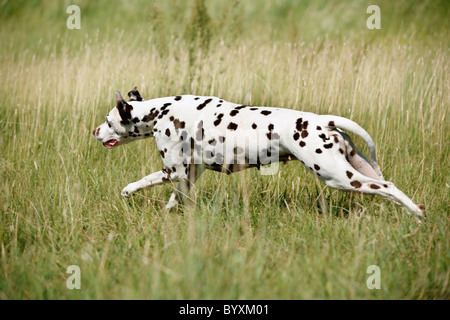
point(111, 143)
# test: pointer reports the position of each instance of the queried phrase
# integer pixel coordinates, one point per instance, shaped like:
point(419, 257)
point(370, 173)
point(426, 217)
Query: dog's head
point(119, 127)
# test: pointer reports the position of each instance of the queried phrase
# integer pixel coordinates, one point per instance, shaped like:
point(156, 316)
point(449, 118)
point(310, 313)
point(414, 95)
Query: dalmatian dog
point(194, 133)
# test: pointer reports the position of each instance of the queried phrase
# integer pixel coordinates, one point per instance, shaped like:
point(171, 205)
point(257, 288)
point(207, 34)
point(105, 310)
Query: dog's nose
point(93, 132)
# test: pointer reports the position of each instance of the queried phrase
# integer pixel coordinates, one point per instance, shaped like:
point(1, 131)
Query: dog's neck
point(144, 116)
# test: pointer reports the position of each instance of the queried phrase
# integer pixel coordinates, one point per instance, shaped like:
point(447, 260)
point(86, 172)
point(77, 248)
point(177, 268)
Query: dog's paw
point(422, 212)
point(127, 191)
point(172, 205)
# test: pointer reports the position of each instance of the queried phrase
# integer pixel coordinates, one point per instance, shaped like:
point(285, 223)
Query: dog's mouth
point(110, 143)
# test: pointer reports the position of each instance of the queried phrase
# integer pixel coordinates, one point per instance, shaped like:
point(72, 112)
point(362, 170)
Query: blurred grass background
point(250, 236)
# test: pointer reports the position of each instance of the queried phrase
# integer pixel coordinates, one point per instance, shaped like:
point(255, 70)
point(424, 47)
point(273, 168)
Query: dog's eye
point(107, 122)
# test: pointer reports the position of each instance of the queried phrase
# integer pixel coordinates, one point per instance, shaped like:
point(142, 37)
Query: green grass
point(250, 236)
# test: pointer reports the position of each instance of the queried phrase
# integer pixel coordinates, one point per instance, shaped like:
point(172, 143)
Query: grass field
point(250, 236)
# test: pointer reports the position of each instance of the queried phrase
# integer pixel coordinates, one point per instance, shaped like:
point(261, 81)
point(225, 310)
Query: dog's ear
point(134, 95)
point(124, 108)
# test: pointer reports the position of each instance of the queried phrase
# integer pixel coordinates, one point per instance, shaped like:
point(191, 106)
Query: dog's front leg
point(149, 181)
point(183, 187)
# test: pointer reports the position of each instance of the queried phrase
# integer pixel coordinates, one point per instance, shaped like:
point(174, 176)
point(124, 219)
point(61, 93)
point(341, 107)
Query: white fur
point(281, 135)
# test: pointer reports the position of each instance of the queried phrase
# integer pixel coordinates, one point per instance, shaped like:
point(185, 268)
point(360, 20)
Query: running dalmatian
point(195, 133)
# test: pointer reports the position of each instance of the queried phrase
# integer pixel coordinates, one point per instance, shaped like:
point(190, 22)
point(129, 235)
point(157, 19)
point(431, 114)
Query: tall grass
point(249, 236)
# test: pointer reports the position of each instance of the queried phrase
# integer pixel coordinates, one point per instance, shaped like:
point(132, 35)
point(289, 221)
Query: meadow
point(249, 236)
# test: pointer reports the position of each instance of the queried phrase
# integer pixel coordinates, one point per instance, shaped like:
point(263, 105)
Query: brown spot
point(341, 151)
point(349, 174)
point(212, 142)
point(234, 112)
point(270, 127)
point(221, 139)
point(305, 125)
point(164, 107)
point(331, 124)
point(179, 124)
point(336, 140)
point(316, 167)
point(219, 119)
point(299, 124)
point(385, 185)
point(152, 115)
point(202, 105)
point(356, 184)
point(323, 137)
point(352, 153)
point(304, 134)
point(319, 128)
point(302, 144)
point(266, 112)
point(328, 146)
point(163, 113)
point(177, 98)
point(232, 126)
point(271, 135)
point(162, 153)
point(374, 186)
point(296, 136)
point(168, 132)
point(318, 151)
point(254, 126)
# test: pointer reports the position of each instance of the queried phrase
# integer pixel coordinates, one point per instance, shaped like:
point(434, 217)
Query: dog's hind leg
point(356, 158)
point(349, 179)
point(333, 168)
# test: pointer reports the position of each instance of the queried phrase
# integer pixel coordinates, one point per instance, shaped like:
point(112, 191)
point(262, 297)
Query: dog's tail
point(349, 125)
